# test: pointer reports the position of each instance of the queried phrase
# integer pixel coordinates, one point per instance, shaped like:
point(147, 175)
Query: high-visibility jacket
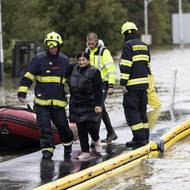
point(134, 64)
point(49, 72)
point(100, 57)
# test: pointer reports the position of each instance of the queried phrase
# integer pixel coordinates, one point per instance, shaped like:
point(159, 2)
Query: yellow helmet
point(128, 26)
point(53, 39)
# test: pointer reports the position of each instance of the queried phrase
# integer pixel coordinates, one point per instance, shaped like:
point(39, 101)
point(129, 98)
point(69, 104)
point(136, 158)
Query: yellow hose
point(91, 176)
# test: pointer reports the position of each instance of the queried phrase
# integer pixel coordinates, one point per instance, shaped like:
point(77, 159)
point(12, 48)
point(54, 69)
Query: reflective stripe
point(47, 79)
point(124, 76)
point(68, 144)
point(50, 102)
point(59, 103)
point(126, 62)
point(23, 89)
point(137, 126)
point(29, 76)
point(141, 58)
point(48, 149)
point(99, 58)
point(145, 125)
point(109, 64)
point(42, 102)
point(137, 81)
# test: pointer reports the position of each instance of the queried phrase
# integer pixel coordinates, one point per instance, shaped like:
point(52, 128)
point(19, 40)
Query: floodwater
point(170, 170)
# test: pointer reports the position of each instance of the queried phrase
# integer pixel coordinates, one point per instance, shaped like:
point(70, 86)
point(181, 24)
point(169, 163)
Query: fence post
point(173, 88)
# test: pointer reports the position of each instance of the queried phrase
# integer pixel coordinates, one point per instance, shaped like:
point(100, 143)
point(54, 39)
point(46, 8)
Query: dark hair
point(83, 54)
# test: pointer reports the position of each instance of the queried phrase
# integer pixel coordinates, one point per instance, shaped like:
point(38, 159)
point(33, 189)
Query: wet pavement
point(29, 171)
point(169, 171)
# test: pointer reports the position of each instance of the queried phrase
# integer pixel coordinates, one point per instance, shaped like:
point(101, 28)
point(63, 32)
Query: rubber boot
point(67, 148)
point(139, 139)
point(47, 153)
point(110, 137)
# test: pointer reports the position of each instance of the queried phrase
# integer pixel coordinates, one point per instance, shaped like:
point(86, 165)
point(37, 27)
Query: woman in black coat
point(85, 102)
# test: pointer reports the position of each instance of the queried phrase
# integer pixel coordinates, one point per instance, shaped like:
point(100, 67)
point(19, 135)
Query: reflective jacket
point(134, 64)
point(49, 72)
point(100, 57)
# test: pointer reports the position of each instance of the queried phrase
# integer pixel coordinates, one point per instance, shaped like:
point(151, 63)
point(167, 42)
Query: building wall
point(185, 28)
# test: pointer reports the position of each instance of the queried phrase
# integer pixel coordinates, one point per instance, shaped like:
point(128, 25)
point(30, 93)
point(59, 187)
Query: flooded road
point(169, 171)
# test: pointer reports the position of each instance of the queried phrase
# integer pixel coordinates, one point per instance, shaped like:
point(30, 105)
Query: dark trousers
point(104, 115)
point(135, 106)
point(85, 128)
point(46, 114)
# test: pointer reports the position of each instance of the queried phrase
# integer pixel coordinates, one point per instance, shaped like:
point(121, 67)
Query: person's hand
point(98, 109)
point(124, 90)
point(110, 90)
point(22, 100)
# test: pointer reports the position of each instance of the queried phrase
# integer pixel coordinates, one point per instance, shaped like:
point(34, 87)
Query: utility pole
point(1, 49)
point(181, 24)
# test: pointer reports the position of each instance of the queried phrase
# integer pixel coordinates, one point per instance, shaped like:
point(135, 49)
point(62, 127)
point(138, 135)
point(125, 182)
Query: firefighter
point(101, 58)
point(49, 71)
point(134, 70)
point(85, 86)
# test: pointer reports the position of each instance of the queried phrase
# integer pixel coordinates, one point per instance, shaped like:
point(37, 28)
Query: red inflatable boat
point(18, 128)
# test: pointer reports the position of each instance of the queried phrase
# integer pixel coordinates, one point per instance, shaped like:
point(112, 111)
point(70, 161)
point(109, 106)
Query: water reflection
point(47, 171)
point(129, 180)
point(172, 166)
point(174, 114)
point(52, 169)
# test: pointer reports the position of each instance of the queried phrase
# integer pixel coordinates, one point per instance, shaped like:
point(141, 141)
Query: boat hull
point(18, 128)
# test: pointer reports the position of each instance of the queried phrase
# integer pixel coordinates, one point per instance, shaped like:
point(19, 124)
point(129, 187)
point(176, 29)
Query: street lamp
point(180, 24)
point(146, 35)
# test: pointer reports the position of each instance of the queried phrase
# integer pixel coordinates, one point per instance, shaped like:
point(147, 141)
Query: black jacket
point(85, 86)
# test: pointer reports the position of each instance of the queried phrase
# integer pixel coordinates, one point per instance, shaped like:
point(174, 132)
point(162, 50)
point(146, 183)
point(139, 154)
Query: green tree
point(159, 22)
point(158, 18)
point(135, 14)
point(74, 19)
point(22, 20)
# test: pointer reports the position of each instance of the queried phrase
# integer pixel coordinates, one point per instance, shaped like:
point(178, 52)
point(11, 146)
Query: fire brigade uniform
point(101, 58)
point(49, 72)
point(134, 68)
